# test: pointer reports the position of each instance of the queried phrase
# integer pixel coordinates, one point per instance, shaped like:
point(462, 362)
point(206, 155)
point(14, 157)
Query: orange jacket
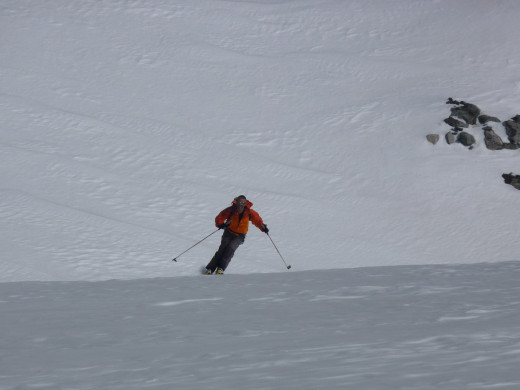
point(239, 225)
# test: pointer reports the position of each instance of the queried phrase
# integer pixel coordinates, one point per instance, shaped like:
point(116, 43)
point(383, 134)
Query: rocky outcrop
point(514, 180)
point(468, 116)
point(467, 123)
point(466, 112)
point(513, 129)
point(463, 115)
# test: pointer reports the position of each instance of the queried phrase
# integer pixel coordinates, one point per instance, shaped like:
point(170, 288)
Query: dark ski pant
point(228, 246)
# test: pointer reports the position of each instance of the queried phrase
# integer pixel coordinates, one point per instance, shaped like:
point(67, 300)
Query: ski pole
point(193, 246)
point(275, 247)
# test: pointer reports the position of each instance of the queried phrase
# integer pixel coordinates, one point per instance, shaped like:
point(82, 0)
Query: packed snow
point(400, 327)
point(128, 125)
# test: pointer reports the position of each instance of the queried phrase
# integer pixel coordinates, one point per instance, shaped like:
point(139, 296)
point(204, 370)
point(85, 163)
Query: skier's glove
point(223, 225)
point(265, 229)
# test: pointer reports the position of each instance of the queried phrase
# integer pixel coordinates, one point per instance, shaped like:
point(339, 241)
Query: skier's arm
point(222, 217)
point(255, 218)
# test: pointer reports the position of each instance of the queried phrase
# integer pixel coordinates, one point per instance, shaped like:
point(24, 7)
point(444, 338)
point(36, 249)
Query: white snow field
point(127, 125)
point(400, 327)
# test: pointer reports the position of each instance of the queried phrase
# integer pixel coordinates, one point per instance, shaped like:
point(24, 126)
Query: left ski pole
point(193, 246)
point(275, 247)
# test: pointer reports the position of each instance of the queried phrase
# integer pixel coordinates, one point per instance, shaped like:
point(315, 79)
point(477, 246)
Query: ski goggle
point(241, 202)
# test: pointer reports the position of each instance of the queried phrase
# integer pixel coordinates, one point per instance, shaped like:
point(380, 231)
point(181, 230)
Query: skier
point(235, 222)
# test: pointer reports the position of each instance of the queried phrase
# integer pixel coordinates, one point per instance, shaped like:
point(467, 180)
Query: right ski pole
point(193, 246)
point(281, 257)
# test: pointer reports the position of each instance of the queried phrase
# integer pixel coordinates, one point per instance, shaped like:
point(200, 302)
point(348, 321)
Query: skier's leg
point(229, 251)
point(213, 264)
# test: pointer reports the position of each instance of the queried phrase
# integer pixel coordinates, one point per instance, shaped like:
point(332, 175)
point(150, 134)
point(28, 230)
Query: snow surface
point(401, 327)
point(128, 125)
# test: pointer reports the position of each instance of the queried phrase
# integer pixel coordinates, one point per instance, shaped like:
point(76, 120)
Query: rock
point(455, 122)
point(514, 180)
point(513, 129)
point(450, 138)
point(466, 139)
point(484, 119)
point(433, 138)
point(492, 139)
point(466, 111)
point(451, 101)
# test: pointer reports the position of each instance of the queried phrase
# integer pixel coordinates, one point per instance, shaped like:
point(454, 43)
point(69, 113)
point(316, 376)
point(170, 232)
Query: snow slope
point(127, 126)
point(401, 327)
